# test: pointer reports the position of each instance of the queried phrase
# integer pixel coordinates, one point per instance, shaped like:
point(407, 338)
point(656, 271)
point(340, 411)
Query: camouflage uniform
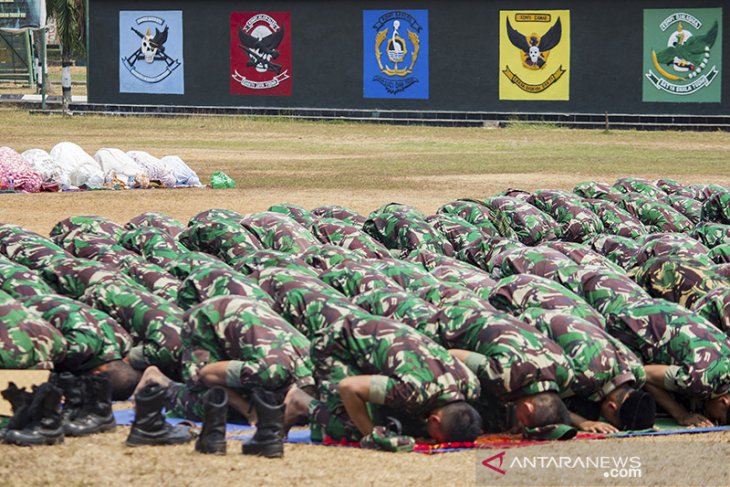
point(215, 214)
point(531, 225)
point(620, 250)
point(153, 244)
point(481, 252)
point(95, 225)
point(656, 216)
point(681, 281)
point(222, 238)
point(616, 220)
point(404, 307)
point(185, 263)
point(31, 251)
point(340, 213)
point(510, 357)
point(458, 231)
point(273, 278)
point(310, 308)
point(702, 192)
point(660, 332)
point(672, 245)
point(155, 324)
point(412, 375)
point(297, 213)
point(408, 275)
point(254, 262)
point(208, 282)
point(19, 281)
point(688, 207)
point(584, 255)
point(603, 290)
point(518, 293)
point(165, 223)
point(476, 213)
point(279, 232)
point(72, 276)
point(601, 363)
point(92, 337)
point(337, 232)
point(540, 261)
point(717, 208)
point(26, 340)
point(578, 223)
point(324, 257)
point(465, 275)
point(594, 190)
point(715, 307)
point(712, 234)
point(153, 277)
point(720, 254)
point(406, 231)
point(353, 278)
point(668, 185)
point(263, 350)
point(639, 185)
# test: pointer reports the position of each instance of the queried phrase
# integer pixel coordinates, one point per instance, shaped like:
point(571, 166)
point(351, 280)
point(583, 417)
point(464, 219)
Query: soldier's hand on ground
point(695, 420)
point(597, 427)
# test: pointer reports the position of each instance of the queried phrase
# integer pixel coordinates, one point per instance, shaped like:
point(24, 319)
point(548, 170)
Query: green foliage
point(71, 24)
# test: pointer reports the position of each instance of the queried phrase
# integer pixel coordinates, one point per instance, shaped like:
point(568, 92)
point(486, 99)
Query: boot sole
point(218, 448)
point(44, 442)
point(276, 452)
point(155, 442)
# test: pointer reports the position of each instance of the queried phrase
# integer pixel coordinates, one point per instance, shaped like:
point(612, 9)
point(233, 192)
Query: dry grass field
point(356, 165)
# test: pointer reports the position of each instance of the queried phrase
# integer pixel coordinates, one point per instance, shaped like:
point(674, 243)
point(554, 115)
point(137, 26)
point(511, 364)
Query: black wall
point(605, 68)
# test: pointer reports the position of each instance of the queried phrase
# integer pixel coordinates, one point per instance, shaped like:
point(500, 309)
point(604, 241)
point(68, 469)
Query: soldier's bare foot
point(152, 374)
point(296, 407)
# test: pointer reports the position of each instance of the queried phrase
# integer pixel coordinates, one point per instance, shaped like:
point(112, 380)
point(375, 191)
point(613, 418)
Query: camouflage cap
point(550, 432)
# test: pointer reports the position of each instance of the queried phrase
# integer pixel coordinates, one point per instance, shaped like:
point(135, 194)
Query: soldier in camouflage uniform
point(639, 185)
point(239, 344)
point(370, 368)
point(405, 231)
point(252, 263)
point(607, 374)
point(297, 213)
point(32, 251)
point(402, 306)
point(540, 261)
point(324, 257)
point(674, 245)
point(684, 355)
point(279, 232)
point(158, 220)
point(688, 207)
point(478, 214)
point(514, 363)
point(337, 232)
point(531, 225)
point(95, 342)
point(26, 340)
point(577, 221)
point(681, 281)
point(226, 240)
point(458, 231)
point(154, 324)
point(72, 276)
point(340, 213)
point(75, 225)
point(715, 307)
point(18, 280)
point(155, 245)
point(207, 282)
point(717, 208)
point(711, 234)
point(655, 215)
point(480, 253)
point(620, 250)
point(517, 293)
point(616, 220)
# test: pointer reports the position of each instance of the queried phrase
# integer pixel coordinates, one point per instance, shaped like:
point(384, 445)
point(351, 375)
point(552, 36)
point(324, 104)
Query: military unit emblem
point(398, 58)
point(260, 53)
point(681, 54)
point(534, 55)
point(157, 65)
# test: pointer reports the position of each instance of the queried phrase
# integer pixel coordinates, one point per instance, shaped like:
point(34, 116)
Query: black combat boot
point(150, 427)
point(212, 438)
point(73, 396)
point(268, 441)
point(20, 401)
point(95, 415)
point(45, 426)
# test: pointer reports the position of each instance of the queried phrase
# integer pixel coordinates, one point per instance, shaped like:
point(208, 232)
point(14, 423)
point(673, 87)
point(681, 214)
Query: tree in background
point(70, 23)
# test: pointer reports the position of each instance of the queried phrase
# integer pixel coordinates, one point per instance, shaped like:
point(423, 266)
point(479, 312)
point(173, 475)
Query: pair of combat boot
point(268, 441)
point(37, 418)
point(150, 427)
